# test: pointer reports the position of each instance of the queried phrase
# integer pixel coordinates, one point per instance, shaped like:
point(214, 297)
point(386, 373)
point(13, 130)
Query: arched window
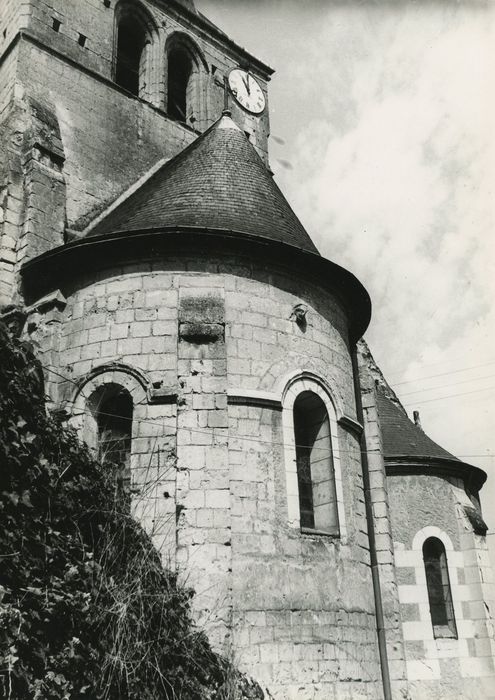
point(315, 469)
point(136, 45)
point(178, 83)
point(114, 423)
point(130, 64)
point(185, 68)
point(438, 585)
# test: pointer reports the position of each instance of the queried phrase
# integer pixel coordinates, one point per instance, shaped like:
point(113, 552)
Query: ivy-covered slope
point(86, 609)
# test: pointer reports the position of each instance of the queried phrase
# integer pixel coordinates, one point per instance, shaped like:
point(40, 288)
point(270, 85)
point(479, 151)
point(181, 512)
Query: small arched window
point(114, 422)
point(178, 83)
point(438, 585)
point(315, 469)
point(132, 54)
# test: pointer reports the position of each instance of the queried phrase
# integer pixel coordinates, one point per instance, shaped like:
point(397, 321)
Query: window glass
point(114, 421)
point(315, 471)
point(439, 592)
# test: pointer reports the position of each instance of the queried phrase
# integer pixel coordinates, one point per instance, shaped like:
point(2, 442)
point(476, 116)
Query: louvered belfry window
point(439, 591)
point(315, 472)
point(179, 75)
point(131, 42)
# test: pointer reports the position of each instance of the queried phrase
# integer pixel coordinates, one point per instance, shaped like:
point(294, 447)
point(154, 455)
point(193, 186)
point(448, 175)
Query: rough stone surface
point(279, 598)
point(209, 348)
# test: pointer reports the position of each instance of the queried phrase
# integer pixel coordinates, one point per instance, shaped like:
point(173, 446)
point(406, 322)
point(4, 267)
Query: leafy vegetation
point(86, 609)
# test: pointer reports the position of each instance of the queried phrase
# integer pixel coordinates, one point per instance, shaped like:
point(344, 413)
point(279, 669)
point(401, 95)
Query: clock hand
point(246, 83)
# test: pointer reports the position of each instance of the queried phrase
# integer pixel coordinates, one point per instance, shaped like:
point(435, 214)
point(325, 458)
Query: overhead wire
point(442, 363)
point(253, 438)
point(443, 374)
point(444, 386)
point(450, 396)
point(249, 438)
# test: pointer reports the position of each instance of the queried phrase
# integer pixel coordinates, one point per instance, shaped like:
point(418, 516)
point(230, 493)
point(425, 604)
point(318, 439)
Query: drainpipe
point(375, 573)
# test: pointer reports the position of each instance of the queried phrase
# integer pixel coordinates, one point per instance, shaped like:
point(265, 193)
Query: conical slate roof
point(402, 437)
point(219, 182)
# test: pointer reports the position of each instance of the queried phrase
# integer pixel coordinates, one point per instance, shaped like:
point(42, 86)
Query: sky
point(381, 121)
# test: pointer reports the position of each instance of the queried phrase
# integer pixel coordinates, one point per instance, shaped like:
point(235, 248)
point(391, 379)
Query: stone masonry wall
point(96, 22)
point(97, 117)
point(204, 547)
point(14, 15)
point(32, 187)
point(100, 139)
point(425, 506)
point(110, 138)
point(295, 610)
point(383, 531)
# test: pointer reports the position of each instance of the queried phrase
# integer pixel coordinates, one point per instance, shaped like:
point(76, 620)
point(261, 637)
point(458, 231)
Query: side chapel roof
point(402, 437)
point(218, 182)
point(406, 444)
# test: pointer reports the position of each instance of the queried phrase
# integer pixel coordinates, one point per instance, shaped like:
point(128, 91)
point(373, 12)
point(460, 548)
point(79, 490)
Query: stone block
point(98, 334)
point(217, 419)
point(119, 330)
point(142, 329)
point(217, 498)
point(129, 346)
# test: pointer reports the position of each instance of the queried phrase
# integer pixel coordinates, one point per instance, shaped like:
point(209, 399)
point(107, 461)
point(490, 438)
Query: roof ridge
point(124, 195)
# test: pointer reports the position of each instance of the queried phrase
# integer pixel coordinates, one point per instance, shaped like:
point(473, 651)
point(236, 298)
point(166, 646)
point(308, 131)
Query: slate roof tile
point(401, 437)
point(218, 182)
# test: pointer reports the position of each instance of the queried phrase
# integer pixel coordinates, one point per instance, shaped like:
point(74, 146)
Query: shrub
point(86, 609)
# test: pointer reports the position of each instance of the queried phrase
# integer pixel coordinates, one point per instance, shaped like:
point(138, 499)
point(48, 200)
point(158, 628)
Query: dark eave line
point(45, 270)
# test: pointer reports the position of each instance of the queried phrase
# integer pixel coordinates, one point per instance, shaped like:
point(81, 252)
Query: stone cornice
point(252, 397)
point(351, 425)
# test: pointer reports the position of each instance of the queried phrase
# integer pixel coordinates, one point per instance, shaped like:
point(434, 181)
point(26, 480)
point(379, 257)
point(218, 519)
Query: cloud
point(387, 111)
point(393, 179)
point(398, 191)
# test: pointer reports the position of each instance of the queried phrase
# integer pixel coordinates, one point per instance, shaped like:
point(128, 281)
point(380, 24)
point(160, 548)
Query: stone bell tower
point(93, 94)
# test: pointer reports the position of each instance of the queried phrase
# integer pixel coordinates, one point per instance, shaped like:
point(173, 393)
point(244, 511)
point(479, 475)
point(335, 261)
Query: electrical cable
point(450, 396)
point(248, 438)
point(446, 386)
point(394, 373)
point(443, 374)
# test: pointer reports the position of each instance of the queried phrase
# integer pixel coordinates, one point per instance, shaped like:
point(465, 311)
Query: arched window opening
point(180, 68)
point(439, 592)
point(114, 421)
point(132, 49)
point(315, 469)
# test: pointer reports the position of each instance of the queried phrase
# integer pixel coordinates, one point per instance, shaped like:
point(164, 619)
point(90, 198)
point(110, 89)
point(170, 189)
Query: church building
point(190, 330)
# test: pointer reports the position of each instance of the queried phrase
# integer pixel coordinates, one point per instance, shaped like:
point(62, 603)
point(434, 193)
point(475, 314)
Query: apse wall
point(214, 352)
point(454, 659)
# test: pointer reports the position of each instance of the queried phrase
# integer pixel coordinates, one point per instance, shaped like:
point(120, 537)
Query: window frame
point(82, 408)
point(196, 89)
point(99, 401)
point(148, 88)
point(292, 391)
point(440, 630)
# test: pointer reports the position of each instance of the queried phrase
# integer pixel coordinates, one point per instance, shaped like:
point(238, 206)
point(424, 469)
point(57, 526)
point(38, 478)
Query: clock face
point(246, 91)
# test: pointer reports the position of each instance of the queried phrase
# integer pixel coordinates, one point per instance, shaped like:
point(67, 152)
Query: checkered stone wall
point(442, 668)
